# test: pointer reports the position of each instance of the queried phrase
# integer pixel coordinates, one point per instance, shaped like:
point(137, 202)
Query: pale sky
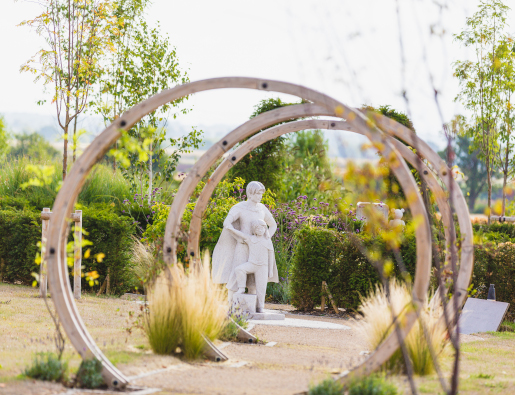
point(347, 49)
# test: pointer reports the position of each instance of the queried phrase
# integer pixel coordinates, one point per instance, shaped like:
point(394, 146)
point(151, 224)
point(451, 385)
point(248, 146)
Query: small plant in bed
point(230, 329)
point(47, 367)
point(372, 385)
point(89, 374)
point(326, 387)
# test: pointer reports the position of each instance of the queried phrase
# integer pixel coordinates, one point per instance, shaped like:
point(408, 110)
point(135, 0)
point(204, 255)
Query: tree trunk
point(489, 181)
point(65, 151)
point(472, 200)
point(74, 138)
point(505, 179)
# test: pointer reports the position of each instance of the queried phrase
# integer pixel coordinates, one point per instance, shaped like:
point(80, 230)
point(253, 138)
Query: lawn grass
point(486, 367)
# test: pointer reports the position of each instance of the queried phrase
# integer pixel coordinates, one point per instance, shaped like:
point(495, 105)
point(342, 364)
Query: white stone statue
point(261, 261)
point(232, 251)
point(397, 221)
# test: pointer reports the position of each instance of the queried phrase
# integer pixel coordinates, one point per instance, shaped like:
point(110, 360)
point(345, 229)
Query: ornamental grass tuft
point(377, 325)
point(182, 308)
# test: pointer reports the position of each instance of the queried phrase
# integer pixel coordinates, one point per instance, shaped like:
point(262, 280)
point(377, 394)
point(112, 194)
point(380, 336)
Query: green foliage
point(265, 163)
point(101, 186)
point(486, 85)
point(76, 38)
point(314, 259)
point(4, 137)
point(389, 112)
point(20, 230)
point(472, 166)
point(331, 256)
point(143, 64)
point(89, 374)
point(307, 168)
point(326, 387)
point(494, 254)
point(47, 367)
point(111, 235)
point(372, 385)
point(33, 146)
point(230, 329)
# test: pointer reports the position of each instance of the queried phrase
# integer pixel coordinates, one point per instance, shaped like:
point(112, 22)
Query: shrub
point(20, 230)
point(179, 315)
point(372, 385)
point(376, 326)
point(326, 387)
point(314, 261)
point(331, 256)
point(112, 236)
point(89, 374)
point(47, 367)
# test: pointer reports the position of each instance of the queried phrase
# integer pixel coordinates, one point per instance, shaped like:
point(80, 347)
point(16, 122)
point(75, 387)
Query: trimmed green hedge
point(328, 255)
point(111, 235)
point(20, 230)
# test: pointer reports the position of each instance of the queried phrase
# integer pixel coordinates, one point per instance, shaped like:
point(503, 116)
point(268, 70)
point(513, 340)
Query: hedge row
point(328, 255)
point(20, 230)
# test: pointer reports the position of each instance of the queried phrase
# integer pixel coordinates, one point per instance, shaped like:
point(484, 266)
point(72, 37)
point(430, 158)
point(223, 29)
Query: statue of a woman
point(231, 251)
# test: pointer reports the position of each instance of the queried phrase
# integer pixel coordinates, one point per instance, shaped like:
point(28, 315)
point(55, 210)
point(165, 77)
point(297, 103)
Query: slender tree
point(142, 64)
point(506, 56)
point(480, 81)
point(77, 34)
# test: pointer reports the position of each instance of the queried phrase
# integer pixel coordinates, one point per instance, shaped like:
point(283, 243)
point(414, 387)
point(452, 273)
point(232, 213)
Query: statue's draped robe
point(229, 253)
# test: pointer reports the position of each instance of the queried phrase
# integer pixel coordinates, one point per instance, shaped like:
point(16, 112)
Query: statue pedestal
point(247, 303)
point(266, 316)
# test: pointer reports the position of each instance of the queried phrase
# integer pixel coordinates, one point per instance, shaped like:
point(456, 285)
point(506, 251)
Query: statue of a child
point(260, 263)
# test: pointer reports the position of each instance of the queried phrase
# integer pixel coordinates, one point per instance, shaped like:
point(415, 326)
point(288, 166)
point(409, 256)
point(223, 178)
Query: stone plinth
point(246, 302)
point(266, 316)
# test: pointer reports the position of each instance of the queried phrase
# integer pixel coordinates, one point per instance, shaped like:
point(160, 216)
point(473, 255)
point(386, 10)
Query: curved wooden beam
point(361, 123)
point(322, 105)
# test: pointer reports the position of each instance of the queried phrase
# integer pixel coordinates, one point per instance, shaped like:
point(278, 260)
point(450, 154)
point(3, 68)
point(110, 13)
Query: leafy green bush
point(20, 230)
point(47, 367)
point(111, 235)
point(326, 387)
point(331, 256)
point(372, 385)
point(315, 259)
point(89, 374)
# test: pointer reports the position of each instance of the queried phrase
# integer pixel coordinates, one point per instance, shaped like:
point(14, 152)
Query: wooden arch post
point(321, 105)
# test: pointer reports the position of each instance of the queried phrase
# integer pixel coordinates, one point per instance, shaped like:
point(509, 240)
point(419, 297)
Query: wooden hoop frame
point(62, 295)
point(441, 197)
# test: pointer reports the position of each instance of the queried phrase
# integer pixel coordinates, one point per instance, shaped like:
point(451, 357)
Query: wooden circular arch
point(322, 105)
point(441, 197)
